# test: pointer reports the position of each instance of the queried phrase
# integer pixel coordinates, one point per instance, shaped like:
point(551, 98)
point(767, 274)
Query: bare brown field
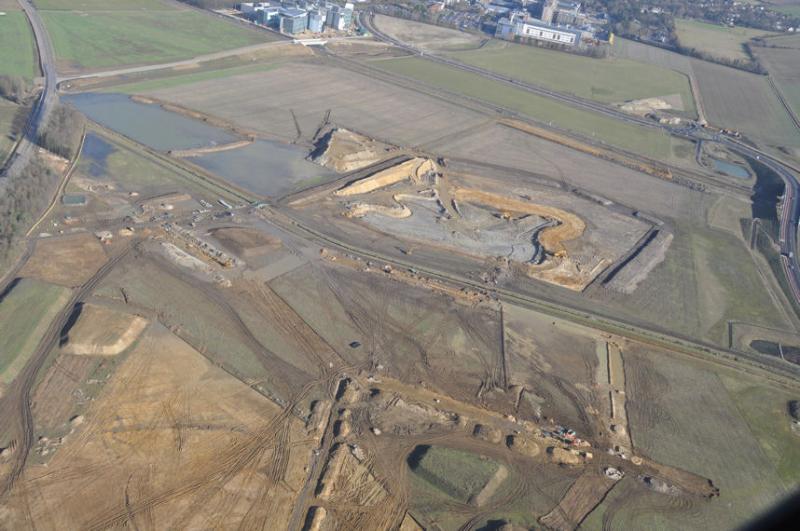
point(173, 441)
point(427, 36)
point(68, 260)
point(202, 315)
point(554, 362)
point(309, 90)
point(66, 389)
point(246, 242)
point(413, 333)
point(511, 148)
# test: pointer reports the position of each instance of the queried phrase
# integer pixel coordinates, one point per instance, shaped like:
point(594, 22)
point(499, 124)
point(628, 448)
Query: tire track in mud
point(270, 361)
point(17, 402)
point(241, 455)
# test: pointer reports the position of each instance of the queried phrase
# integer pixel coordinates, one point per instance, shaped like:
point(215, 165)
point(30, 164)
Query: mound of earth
point(523, 445)
point(246, 242)
point(344, 151)
point(417, 170)
point(647, 105)
point(101, 331)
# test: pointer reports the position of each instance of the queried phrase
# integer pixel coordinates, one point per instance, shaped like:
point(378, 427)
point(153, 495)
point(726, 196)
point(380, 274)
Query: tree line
point(26, 193)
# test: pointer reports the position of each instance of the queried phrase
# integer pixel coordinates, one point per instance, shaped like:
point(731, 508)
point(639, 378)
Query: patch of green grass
point(25, 313)
point(716, 40)
point(789, 10)
point(606, 80)
point(17, 51)
point(650, 142)
point(456, 473)
point(680, 414)
point(707, 278)
point(765, 410)
point(729, 285)
point(103, 40)
point(134, 170)
point(105, 5)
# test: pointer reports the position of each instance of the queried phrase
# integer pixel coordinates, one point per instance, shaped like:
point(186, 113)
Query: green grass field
point(609, 80)
point(649, 142)
point(793, 10)
point(783, 64)
point(681, 414)
point(765, 409)
point(719, 41)
point(17, 52)
point(104, 5)
point(123, 37)
point(25, 314)
point(746, 102)
point(456, 473)
point(707, 279)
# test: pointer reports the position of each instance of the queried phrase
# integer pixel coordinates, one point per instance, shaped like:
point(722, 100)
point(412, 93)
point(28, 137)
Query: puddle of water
point(95, 153)
point(265, 168)
point(729, 168)
point(148, 124)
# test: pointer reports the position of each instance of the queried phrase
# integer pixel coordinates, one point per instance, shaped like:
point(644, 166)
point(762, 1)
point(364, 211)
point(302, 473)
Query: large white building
point(530, 28)
point(545, 32)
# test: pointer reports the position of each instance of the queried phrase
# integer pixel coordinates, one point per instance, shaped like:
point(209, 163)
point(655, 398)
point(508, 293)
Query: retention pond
point(148, 124)
point(731, 169)
point(265, 168)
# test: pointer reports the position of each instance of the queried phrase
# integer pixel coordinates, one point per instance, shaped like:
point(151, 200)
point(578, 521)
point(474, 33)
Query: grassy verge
point(25, 313)
point(172, 81)
point(650, 142)
point(17, 51)
point(607, 80)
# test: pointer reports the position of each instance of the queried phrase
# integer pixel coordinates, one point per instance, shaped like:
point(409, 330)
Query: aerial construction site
point(322, 287)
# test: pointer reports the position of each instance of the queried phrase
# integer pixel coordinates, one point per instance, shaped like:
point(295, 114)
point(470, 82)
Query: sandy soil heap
point(101, 331)
point(415, 170)
point(343, 151)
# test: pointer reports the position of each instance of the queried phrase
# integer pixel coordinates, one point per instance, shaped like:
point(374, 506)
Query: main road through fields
point(47, 99)
point(790, 214)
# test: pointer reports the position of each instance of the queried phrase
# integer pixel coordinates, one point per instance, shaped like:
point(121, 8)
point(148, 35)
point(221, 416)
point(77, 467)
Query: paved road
point(790, 212)
point(47, 99)
point(790, 216)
